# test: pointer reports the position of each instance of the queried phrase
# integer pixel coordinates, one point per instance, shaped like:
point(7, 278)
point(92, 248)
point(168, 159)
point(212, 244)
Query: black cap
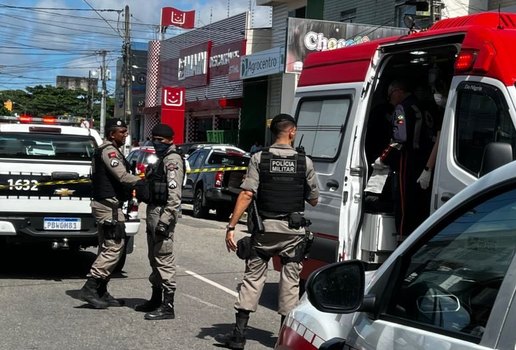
point(163, 130)
point(283, 117)
point(114, 123)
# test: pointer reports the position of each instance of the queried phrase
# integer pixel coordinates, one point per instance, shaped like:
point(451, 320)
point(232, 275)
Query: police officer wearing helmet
point(112, 183)
point(282, 180)
point(165, 179)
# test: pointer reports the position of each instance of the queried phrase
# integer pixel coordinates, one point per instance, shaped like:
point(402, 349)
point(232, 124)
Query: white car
point(450, 285)
point(45, 187)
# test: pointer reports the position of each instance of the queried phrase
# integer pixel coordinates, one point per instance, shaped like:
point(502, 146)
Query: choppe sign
point(308, 35)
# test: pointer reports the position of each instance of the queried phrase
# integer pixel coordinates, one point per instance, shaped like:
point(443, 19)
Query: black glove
point(161, 229)
point(142, 191)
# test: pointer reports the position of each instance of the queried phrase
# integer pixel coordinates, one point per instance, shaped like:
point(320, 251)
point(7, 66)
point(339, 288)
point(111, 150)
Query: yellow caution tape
point(209, 170)
point(47, 183)
point(86, 180)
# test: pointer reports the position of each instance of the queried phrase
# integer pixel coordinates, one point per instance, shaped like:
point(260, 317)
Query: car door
point(453, 287)
point(188, 187)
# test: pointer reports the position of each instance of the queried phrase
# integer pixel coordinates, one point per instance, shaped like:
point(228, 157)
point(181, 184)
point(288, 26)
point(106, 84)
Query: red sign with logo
point(173, 110)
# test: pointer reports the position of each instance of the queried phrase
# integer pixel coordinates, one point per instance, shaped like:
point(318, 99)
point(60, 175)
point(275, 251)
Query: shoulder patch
point(172, 166)
point(112, 154)
point(114, 163)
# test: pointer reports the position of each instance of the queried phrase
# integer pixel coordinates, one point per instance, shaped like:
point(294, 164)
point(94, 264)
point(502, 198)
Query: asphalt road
point(40, 308)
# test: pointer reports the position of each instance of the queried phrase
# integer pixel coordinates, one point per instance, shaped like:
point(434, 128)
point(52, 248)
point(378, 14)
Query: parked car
point(450, 285)
point(214, 180)
point(141, 157)
point(189, 148)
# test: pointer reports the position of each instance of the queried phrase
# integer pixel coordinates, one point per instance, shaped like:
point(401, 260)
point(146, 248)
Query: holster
point(245, 248)
point(256, 224)
point(297, 220)
point(113, 229)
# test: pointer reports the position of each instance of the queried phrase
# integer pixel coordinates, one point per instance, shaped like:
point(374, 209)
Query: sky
point(42, 39)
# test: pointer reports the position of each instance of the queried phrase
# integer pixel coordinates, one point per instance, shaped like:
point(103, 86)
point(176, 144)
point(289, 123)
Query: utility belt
point(295, 220)
point(246, 247)
point(112, 228)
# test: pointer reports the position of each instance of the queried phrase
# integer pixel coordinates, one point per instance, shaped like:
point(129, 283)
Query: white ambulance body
point(339, 90)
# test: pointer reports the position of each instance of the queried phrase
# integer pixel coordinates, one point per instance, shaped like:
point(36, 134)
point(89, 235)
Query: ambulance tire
point(199, 210)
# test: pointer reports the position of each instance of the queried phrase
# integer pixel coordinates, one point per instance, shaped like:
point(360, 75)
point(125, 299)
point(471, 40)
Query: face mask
point(440, 100)
point(160, 148)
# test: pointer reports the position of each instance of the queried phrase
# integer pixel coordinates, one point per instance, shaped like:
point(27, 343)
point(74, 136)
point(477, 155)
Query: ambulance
point(447, 285)
point(468, 61)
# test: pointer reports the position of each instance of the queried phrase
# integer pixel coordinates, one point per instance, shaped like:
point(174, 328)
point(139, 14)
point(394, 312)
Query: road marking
point(215, 284)
point(203, 302)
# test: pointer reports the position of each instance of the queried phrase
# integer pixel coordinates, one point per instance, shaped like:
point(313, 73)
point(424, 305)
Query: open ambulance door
point(325, 128)
point(479, 115)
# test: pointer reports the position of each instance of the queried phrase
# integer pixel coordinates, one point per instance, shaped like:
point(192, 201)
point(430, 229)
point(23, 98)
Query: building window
point(400, 11)
point(348, 16)
point(298, 13)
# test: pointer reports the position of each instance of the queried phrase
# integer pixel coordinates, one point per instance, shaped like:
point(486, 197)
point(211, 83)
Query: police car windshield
point(55, 146)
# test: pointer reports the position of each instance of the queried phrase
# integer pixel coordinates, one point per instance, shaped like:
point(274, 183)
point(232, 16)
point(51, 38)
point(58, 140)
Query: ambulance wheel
point(199, 210)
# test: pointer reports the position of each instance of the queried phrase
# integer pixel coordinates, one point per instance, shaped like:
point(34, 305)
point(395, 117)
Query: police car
point(450, 285)
point(45, 186)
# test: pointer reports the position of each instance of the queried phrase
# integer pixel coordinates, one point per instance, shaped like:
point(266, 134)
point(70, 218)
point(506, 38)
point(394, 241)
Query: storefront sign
point(173, 110)
point(234, 69)
point(307, 35)
point(193, 65)
point(263, 63)
point(222, 55)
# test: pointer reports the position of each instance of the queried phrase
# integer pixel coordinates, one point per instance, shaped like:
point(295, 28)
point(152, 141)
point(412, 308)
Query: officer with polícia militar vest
point(279, 180)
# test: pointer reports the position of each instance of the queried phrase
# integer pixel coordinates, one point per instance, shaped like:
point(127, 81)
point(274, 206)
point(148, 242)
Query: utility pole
point(431, 12)
point(103, 76)
point(128, 75)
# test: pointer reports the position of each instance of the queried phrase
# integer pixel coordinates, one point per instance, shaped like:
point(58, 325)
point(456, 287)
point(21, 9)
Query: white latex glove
point(378, 164)
point(424, 179)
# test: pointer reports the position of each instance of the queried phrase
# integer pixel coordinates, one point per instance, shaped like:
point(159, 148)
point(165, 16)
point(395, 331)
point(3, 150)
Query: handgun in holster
point(256, 220)
point(113, 229)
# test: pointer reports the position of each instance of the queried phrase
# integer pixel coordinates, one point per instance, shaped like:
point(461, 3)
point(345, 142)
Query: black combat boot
point(90, 295)
point(153, 303)
point(105, 296)
point(236, 338)
point(165, 311)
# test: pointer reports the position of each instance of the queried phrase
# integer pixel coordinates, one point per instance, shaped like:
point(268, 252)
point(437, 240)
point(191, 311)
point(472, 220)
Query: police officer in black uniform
point(112, 183)
point(282, 180)
point(165, 179)
point(409, 149)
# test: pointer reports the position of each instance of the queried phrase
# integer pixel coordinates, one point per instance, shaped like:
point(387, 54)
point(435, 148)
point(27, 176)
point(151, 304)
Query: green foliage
point(49, 100)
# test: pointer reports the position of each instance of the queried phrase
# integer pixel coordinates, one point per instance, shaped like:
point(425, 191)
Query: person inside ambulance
point(440, 96)
point(406, 154)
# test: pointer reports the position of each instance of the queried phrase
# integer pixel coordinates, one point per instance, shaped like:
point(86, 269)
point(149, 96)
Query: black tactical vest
point(282, 184)
point(157, 179)
point(105, 185)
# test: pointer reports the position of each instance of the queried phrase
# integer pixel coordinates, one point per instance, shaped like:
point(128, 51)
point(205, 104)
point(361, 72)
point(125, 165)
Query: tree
point(49, 100)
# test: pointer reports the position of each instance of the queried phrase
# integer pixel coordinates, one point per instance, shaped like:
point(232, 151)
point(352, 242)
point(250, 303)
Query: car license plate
point(64, 224)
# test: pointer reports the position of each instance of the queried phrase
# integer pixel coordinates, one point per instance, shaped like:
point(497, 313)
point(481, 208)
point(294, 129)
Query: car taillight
point(219, 177)
point(24, 118)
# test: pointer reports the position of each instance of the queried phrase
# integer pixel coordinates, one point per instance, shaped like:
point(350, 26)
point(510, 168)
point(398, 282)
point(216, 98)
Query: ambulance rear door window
point(321, 125)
